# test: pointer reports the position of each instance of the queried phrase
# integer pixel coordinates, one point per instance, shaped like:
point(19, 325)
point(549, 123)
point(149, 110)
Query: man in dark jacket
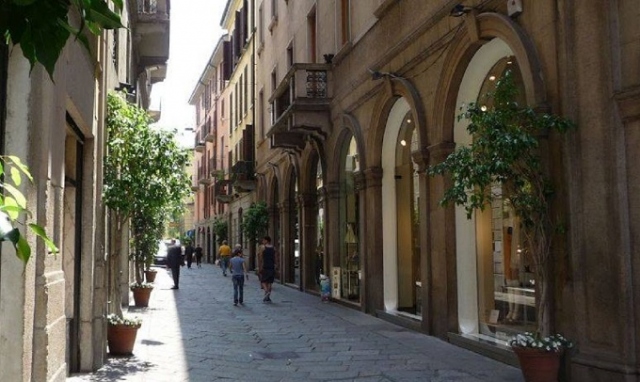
point(175, 261)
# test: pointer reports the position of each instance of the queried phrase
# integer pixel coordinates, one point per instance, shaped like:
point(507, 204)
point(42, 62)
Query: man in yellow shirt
point(225, 253)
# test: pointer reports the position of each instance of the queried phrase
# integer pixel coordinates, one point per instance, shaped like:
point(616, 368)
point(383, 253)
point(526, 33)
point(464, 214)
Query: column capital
point(332, 190)
point(308, 199)
point(373, 177)
point(439, 152)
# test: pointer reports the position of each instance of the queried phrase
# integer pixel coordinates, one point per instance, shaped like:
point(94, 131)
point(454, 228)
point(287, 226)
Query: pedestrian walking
point(239, 273)
point(188, 252)
point(225, 253)
point(267, 267)
point(198, 253)
point(174, 262)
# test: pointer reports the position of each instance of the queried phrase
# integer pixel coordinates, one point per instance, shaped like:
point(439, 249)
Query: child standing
point(239, 271)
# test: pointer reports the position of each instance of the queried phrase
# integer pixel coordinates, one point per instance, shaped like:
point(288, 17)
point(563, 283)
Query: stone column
point(332, 229)
point(308, 203)
point(442, 296)
point(359, 188)
point(284, 248)
point(421, 158)
point(373, 276)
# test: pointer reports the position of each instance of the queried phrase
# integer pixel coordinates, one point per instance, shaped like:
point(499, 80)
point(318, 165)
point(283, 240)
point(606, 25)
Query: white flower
point(555, 342)
point(114, 319)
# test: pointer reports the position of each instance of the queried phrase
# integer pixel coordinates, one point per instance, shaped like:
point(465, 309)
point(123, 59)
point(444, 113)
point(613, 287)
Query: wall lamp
point(376, 75)
point(128, 88)
point(459, 10)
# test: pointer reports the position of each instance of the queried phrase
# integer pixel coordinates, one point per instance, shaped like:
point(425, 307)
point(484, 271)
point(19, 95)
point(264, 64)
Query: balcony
point(222, 188)
point(203, 175)
point(151, 32)
point(198, 144)
point(243, 174)
point(209, 133)
point(300, 106)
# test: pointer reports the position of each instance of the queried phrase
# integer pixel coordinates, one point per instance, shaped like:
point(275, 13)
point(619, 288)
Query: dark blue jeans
point(238, 288)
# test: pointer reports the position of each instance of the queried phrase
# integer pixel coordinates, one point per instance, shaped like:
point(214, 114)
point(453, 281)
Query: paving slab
point(197, 334)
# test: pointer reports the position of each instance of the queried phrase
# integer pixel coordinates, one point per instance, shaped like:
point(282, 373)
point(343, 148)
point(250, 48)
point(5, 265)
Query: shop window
point(506, 282)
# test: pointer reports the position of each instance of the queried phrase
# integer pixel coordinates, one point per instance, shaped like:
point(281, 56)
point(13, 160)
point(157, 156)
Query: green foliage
point(255, 220)
point(504, 151)
point(220, 229)
point(13, 208)
point(144, 175)
point(42, 27)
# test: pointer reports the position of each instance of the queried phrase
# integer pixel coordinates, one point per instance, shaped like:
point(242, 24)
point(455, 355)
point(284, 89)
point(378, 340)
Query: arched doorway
point(496, 293)
point(401, 223)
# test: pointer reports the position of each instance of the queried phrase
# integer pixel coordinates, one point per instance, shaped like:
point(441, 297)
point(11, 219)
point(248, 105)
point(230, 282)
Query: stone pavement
point(196, 334)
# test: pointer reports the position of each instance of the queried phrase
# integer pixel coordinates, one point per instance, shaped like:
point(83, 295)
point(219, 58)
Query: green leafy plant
point(220, 229)
point(13, 208)
point(255, 221)
point(144, 179)
point(505, 151)
point(42, 27)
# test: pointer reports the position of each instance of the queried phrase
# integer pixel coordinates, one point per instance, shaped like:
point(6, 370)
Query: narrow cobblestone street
point(197, 334)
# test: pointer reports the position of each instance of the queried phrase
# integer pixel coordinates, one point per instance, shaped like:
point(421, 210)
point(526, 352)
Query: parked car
point(161, 255)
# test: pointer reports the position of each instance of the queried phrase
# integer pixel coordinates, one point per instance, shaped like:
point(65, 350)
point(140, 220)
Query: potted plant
point(144, 180)
point(121, 333)
point(220, 229)
point(504, 155)
point(141, 293)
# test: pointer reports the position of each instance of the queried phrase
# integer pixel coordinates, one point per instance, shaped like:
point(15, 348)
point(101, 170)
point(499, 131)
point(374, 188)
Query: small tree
point(144, 180)
point(505, 151)
point(220, 229)
point(255, 222)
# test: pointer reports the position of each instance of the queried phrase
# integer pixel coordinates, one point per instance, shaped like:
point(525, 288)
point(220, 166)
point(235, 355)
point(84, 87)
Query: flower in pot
point(121, 333)
point(502, 164)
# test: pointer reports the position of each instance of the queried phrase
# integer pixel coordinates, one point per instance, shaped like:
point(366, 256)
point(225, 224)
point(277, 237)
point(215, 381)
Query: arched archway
point(472, 252)
point(401, 223)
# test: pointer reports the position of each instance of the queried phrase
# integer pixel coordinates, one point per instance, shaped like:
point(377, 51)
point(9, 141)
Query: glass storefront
point(350, 265)
point(506, 283)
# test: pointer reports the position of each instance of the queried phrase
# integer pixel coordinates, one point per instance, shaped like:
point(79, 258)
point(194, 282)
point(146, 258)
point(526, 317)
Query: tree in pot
point(255, 222)
point(145, 179)
point(503, 162)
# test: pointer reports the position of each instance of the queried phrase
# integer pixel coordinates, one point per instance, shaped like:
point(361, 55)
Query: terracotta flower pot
point(538, 365)
point(121, 339)
point(141, 296)
point(150, 276)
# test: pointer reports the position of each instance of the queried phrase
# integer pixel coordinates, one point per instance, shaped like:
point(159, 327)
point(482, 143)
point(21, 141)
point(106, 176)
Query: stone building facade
point(52, 311)
point(354, 100)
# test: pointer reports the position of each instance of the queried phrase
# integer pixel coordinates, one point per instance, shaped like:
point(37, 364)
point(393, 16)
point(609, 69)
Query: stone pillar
point(371, 226)
point(421, 158)
point(284, 248)
point(359, 189)
point(442, 296)
point(332, 228)
point(309, 226)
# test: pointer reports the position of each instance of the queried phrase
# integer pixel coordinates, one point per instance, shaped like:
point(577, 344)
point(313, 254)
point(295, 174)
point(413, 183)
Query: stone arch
point(395, 88)
point(349, 127)
point(489, 25)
